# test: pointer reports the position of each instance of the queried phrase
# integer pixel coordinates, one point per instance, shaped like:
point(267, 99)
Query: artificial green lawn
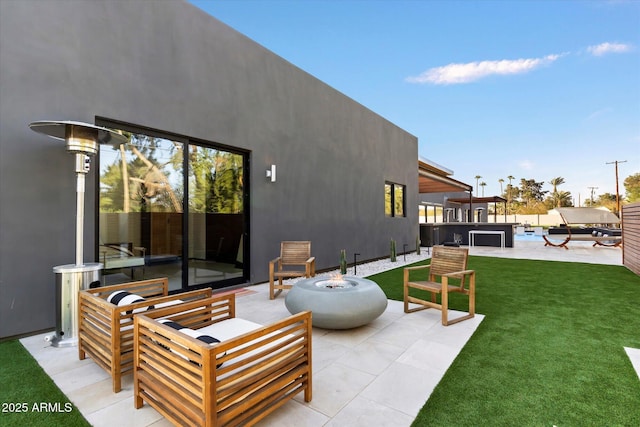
point(549, 350)
point(29, 398)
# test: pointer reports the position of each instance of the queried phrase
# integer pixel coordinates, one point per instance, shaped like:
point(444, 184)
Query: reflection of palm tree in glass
point(143, 197)
point(216, 181)
point(157, 181)
point(129, 184)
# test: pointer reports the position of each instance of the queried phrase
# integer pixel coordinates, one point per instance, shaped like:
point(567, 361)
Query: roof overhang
point(430, 182)
point(476, 200)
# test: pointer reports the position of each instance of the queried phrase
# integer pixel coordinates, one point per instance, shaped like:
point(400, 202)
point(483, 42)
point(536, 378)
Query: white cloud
point(599, 113)
point(526, 165)
point(472, 71)
point(604, 48)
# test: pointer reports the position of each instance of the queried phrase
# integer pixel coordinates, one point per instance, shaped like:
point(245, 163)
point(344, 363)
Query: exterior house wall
point(168, 66)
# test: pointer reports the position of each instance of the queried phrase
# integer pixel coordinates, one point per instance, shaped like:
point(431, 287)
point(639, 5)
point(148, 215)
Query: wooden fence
point(631, 237)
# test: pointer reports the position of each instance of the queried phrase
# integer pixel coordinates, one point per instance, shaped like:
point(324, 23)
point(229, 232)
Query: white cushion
point(229, 328)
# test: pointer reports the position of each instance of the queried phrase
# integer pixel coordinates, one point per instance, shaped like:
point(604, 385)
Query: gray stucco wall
point(169, 66)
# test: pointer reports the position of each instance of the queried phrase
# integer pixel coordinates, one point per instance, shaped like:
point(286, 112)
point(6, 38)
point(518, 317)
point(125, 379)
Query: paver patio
point(373, 375)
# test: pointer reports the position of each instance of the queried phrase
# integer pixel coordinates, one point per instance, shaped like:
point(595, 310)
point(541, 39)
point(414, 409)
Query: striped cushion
point(191, 332)
point(123, 298)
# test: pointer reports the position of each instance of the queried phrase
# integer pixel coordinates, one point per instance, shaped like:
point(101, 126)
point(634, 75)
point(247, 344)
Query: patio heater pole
point(83, 163)
point(82, 141)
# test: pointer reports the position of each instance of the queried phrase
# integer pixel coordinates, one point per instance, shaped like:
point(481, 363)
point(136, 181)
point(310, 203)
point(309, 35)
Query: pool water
point(527, 237)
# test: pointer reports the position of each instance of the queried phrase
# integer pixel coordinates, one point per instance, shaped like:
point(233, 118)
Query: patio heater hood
point(82, 140)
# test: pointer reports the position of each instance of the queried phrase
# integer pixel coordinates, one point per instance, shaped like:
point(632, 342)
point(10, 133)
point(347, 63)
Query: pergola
point(478, 200)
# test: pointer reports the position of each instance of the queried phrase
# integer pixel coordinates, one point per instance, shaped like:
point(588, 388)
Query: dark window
point(394, 205)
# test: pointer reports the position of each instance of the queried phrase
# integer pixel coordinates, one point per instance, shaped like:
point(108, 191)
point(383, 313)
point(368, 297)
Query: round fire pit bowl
point(337, 303)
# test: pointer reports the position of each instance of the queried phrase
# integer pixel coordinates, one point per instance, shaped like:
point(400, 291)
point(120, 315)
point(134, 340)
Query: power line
point(617, 191)
point(592, 188)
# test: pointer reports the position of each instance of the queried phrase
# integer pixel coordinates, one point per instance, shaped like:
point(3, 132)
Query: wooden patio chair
point(446, 263)
point(105, 331)
point(198, 364)
point(293, 256)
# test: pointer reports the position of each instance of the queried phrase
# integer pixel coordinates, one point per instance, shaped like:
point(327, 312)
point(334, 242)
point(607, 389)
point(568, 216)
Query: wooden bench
point(105, 331)
point(237, 381)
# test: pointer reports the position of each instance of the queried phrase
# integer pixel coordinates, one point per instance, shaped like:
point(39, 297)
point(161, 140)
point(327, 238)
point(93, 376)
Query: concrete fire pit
point(342, 302)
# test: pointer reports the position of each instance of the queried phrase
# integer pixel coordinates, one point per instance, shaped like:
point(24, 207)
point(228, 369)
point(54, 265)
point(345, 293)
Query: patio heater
point(82, 141)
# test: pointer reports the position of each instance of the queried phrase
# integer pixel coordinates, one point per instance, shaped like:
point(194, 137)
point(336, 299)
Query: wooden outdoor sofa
point(105, 330)
point(252, 371)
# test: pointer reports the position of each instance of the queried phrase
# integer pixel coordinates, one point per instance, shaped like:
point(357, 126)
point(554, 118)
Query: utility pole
point(592, 188)
point(617, 191)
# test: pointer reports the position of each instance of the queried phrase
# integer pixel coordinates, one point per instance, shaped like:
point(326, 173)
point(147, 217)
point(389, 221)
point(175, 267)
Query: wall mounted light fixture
point(271, 173)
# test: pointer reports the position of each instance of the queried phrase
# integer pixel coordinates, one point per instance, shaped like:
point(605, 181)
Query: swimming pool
point(527, 237)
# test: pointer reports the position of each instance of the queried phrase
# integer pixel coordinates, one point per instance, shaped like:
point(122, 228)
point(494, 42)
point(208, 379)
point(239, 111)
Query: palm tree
point(501, 181)
point(563, 198)
point(510, 177)
point(477, 178)
point(483, 184)
point(555, 182)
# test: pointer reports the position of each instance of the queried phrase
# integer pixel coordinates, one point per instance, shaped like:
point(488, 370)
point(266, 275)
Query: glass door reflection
point(141, 214)
point(216, 215)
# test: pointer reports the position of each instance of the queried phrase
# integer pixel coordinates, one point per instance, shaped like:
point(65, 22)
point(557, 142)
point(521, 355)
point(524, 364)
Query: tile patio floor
point(380, 374)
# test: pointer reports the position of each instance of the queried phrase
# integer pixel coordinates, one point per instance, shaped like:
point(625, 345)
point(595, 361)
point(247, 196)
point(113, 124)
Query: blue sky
point(532, 89)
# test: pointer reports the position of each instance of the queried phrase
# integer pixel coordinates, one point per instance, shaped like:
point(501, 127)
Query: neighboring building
point(449, 211)
point(208, 112)
point(438, 192)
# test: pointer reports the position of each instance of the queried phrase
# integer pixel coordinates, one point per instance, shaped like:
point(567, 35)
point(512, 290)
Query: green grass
point(549, 351)
point(28, 397)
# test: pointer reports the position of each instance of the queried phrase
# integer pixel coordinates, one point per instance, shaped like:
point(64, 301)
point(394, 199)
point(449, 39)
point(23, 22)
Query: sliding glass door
point(172, 207)
point(216, 215)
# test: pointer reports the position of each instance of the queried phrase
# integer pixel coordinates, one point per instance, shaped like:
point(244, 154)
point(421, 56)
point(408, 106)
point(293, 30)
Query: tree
point(477, 178)
point(555, 182)
point(501, 181)
point(608, 200)
point(632, 187)
point(483, 184)
point(509, 189)
point(531, 191)
point(558, 198)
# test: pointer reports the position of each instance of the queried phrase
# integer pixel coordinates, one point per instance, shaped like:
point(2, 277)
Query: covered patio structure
point(480, 202)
